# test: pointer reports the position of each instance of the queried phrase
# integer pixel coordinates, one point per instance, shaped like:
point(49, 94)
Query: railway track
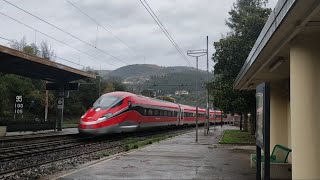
point(16, 141)
point(19, 151)
point(18, 158)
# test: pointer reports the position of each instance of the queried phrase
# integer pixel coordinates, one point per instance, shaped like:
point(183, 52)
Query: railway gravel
point(46, 162)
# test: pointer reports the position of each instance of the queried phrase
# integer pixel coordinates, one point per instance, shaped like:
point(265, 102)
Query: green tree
point(247, 18)
point(166, 98)
point(148, 93)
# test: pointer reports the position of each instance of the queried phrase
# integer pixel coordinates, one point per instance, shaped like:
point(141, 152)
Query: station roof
point(288, 19)
point(17, 62)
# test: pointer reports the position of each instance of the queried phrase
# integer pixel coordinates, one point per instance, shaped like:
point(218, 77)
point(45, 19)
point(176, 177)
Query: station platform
point(30, 134)
point(176, 158)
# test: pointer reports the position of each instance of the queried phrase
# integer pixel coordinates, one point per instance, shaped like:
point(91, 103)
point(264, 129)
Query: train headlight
point(83, 115)
point(108, 115)
point(104, 117)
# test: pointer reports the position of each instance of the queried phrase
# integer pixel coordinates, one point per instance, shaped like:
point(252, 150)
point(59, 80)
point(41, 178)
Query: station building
point(287, 55)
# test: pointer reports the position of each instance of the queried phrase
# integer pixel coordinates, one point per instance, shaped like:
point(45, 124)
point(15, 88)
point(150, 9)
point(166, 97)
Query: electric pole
point(208, 121)
point(197, 54)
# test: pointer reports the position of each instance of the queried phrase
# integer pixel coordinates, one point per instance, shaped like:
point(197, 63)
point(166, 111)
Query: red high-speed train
point(126, 112)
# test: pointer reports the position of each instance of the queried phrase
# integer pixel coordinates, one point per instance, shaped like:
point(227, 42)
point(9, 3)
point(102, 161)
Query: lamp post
point(197, 54)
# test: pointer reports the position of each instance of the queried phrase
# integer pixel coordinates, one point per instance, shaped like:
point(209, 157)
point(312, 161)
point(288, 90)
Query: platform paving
point(176, 158)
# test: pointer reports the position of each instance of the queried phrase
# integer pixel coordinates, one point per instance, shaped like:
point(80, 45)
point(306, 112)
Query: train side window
point(150, 112)
point(169, 113)
point(140, 110)
point(165, 113)
point(161, 113)
point(156, 112)
point(145, 112)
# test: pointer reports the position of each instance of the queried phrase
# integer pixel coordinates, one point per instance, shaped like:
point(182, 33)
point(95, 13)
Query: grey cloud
point(188, 21)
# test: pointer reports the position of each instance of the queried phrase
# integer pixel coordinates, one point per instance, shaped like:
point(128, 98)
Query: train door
point(178, 116)
point(181, 115)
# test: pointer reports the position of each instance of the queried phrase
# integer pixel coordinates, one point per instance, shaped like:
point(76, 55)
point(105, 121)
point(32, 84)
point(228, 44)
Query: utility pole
point(208, 121)
point(197, 54)
point(46, 106)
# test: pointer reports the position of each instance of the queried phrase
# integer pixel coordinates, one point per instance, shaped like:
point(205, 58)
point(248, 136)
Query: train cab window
point(105, 102)
point(118, 104)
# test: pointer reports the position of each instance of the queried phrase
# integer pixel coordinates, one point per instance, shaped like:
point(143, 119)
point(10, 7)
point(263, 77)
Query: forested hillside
point(162, 81)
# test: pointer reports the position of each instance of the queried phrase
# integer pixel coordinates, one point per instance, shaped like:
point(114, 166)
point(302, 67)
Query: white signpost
point(18, 106)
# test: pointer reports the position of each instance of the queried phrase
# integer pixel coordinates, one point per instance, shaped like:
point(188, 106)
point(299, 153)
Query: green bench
point(279, 155)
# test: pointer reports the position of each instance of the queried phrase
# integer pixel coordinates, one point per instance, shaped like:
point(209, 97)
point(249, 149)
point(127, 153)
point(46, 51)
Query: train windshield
point(105, 102)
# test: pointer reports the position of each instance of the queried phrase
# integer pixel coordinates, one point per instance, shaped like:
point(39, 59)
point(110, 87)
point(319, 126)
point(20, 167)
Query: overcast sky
point(188, 22)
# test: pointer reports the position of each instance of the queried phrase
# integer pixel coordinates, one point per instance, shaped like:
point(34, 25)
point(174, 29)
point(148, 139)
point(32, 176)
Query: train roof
point(120, 94)
point(139, 99)
point(155, 102)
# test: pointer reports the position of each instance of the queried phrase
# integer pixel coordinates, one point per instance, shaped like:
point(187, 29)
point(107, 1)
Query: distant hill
point(142, 72)
point(163, 81)
point(136, 70)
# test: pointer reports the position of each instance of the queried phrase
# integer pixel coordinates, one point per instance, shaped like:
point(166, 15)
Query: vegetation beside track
point(138, 142)
point(69, 125)
point(133, 143)
point(237, 137)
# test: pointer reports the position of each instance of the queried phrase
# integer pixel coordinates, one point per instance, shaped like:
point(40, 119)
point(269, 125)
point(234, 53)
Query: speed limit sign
point(18, 105)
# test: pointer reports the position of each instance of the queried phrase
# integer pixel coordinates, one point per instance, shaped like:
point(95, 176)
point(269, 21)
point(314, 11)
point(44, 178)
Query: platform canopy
point(19, 63)
point(269, 58)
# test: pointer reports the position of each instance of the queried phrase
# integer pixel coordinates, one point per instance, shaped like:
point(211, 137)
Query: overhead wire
point(95, 58)
point(179, 49)
point(164, 30)
point(56, 27)
point(103, 27)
